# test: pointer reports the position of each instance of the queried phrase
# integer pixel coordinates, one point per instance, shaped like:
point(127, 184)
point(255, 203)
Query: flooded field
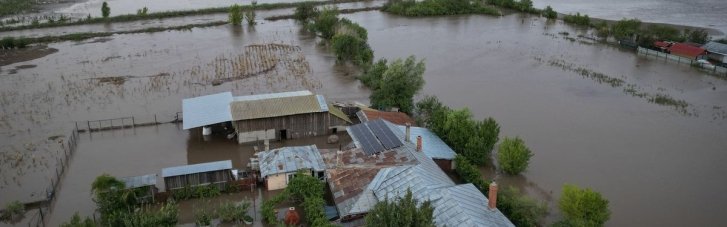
point(587, 110)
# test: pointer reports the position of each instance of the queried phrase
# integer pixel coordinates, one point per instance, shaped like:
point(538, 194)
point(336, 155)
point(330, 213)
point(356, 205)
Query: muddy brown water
point(657, 165)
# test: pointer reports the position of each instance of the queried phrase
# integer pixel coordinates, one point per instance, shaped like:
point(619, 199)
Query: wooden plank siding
point(296, 126)
point(219, 178)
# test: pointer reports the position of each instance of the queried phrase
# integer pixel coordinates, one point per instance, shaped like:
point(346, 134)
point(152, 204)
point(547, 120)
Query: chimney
point(408, 132)
point(419, 143)
point(492, 197)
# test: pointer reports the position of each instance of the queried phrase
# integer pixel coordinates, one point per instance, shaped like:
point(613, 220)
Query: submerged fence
point(722, 71)
point(127, 122)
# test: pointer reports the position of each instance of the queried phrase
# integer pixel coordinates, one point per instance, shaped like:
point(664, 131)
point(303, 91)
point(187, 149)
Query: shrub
point(583, 207)
point(267, 210)
point(77, 222)
point(142, 11)
point(549, 13)
point(105, 10)
point(13, 210)
point(469, 173)
point(520, 209)
point(578, 19)
point(250, 17)
point(696, 36)
point(436, 7)
point(513, 156)
point(231, 212)
point(305, 12)
point(625, 28)
point(203, 218)
point(325, 23)
point(235, 14)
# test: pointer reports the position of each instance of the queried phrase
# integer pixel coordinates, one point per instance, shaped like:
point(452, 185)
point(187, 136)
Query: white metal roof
point(290, 159)
point(206, 110)
point(196, 168)
point(140, 181)
point(272, 95)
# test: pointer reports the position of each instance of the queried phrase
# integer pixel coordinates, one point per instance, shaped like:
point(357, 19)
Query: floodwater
point(698, 13)
point(659, 165)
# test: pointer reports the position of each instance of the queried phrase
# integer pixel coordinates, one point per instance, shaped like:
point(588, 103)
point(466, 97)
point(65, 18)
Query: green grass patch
point(437, 8)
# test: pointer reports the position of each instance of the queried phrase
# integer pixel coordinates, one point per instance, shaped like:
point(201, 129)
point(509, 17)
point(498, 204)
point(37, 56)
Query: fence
point(126, 122)
point(679, 60)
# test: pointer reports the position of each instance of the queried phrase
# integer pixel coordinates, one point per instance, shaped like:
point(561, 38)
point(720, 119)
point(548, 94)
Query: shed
point(206, 110)
point(211, 173)
point(716, 51)
point(145, 186)
point(686, 50)
point(279, 166)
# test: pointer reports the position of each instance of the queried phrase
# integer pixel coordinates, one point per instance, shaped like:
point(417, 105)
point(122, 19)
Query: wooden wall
point(220, 178)
point(296, 126)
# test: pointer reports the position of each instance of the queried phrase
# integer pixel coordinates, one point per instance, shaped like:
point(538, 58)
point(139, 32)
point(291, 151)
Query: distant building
point(384, 165)
point(283, 115)
point(279, 166)
point(687, 51)
point(211, 173)
point(716, 51)
point(398, 118)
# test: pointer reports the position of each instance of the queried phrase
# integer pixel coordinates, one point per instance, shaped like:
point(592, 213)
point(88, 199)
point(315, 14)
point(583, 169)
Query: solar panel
point(368, 141)
point(384, 134)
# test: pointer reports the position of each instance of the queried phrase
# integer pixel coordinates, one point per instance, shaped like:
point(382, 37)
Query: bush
point(521, 210)
point(349, 47)
point(13, 210)
point(305, 12)
point(582, 207)
point(696, 36)
point(325, 23)
point(235, 14)
point(625, 28)
point(549, 13)
point(230, 212)
point(469, 173)
point(142, 11)
point(513, 156)
point(267, 210)
point(105, 10)
point(436, 7)
point(203, 218)
point(250, 17)
point(578, 19)
point(77, 222)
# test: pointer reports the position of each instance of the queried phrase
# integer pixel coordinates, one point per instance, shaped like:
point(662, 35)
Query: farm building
point(285, 115)
point(398, 118)
point(145, 186)
point(716, 51)
point(384, 165)
point(687, 51)
point(211, 173)
point(279, 166)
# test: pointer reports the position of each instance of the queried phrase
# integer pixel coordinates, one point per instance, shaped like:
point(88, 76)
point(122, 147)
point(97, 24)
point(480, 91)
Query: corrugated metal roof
point(465, 205)
point(196, 168)
point(335, 111)
point(715, 47)
point(140, 181)
point(274, 107)
point(206, 110)
point(290, 159)
point(432, 145)
point(272, 95)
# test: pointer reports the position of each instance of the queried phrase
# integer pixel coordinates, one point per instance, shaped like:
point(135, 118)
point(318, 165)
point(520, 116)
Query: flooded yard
point(584, 108)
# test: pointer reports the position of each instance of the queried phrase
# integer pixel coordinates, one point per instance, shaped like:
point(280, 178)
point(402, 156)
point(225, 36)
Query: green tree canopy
point(403, 212)
point(105, 10)
point(625, 28)
point(325, 22)
point(398, 85)
point(582, 207)
point(513, 156)
point(305, 12)
point(522, 210)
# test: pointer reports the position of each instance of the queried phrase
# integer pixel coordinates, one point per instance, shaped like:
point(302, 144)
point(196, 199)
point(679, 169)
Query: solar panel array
point(368, 141)
point(384, 133)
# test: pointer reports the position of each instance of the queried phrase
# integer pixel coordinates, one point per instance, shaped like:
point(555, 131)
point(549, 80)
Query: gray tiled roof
point(432, 145)
point(715, 47)
point(290, 159)
point(206, 110)
point(140, 181)
point(196, 168)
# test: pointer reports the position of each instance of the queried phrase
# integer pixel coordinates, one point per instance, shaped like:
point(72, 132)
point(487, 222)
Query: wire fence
point(718, 70)
point(127, 122)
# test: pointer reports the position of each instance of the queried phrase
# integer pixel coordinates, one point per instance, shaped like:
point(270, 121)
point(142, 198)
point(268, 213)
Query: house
point(687, 51)
point(398, 118)
point(145, 186)
point(431, 145)
point(211, 173)
point(716, 51)
point(285, 115)
point(384, 165)
point(279, 166)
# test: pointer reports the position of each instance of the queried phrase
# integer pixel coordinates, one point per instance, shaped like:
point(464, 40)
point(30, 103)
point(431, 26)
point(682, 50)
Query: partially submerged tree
point(522, 210)
point(399, 83)
point(305, 12)
point(325, 23)
point(513, 156)
point(405, 211)
point(105, 10)
point(235, 14)
point(549, 13)
point(582, 207)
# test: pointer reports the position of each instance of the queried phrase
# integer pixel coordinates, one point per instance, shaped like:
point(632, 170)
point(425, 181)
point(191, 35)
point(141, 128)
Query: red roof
point(398, 118)
point(661, 44)
point(686, 50)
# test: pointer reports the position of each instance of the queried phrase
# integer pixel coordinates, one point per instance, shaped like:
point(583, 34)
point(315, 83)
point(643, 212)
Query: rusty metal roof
point(398, 118)
point(277, 106)
point(290, 159)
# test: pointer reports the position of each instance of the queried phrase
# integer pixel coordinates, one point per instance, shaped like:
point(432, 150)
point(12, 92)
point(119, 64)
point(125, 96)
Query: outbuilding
point(211, 173)
point(279, 166)
point(716, 51)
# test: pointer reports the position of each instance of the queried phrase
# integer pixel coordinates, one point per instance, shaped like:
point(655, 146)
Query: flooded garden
point(648, 134)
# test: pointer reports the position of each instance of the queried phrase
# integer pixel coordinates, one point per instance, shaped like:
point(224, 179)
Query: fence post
point(155, 119)
point(89, 125)
point(133, 123)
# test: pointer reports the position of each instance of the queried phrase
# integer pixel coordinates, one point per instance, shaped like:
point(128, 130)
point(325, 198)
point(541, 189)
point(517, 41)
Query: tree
point(305, 12)
point(625, 28)
point(105, 10)
point(525, 5)
point(513, 156)
point(582, 207)
point(549, 13)
point(482, 140)
point(325, 23)
point(398, 85)
point(520, 209)
point(235, 14)
point(404, 211)
point(723, 41)
point(458, 128)
point(77, 222)
point(696, 36)
point(373, 75)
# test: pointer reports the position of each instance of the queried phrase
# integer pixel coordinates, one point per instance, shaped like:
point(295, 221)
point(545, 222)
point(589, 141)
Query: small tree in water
point(235, 15)
point(513, 156)
point(250, 17)
point(105, 10)
point(582, 207)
